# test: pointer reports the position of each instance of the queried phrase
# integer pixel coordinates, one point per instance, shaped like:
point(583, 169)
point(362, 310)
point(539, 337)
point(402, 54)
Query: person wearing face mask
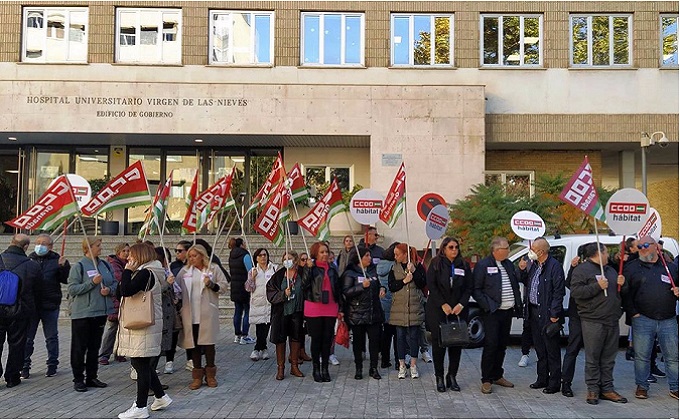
point(55, 271)
point(650, 303)
point(599, 313)
point(284, 292)
point(544, 282)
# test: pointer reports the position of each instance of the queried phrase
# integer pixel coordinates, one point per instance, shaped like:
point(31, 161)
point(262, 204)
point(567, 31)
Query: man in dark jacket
point(599, 307)
point(651, 303)
point(14, 327)
point(55, 271)
point(544, 283)
point(496, 290)
point(370, 241)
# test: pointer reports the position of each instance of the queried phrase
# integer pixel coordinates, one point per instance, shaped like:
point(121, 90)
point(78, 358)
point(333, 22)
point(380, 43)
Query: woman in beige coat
point(201, 283)
point(142, 272)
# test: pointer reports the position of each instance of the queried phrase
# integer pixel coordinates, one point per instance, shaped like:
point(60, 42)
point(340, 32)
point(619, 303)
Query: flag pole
point(597, 237)
point(356, 247)
point(302, 231)
point(240, 221)
point(408, 238)
point(231, 227)
point(63, 240)
point(220, 228)
point(663, 260)
point(63, 232)
point(89, 248)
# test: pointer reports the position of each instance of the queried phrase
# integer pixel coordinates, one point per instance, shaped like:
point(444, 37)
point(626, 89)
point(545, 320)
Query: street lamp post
point(646, 141)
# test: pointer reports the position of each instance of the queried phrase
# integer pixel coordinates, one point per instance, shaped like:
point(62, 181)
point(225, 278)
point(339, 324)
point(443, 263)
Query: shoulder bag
point(137, 311)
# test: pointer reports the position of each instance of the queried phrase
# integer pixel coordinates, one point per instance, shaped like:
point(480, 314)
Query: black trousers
point(86, 338)
point(388, 338)
point(527, 339)
point(574, 345)
point(600, 345)
point(549, 365)
point(497, 332)
point(146, 378)
point(261, 333)
point(438, 354)
point(14, 331)
point(359, 333)
point(322, 330)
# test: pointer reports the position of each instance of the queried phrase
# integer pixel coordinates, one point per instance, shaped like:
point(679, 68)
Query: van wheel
point(476, 328)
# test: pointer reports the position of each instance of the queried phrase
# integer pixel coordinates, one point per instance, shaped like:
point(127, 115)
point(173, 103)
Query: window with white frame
point(335, 39)
point(241, 37)
point(318, 177)
point(669, 41)
point(55, 35)
point(514, 182)
point(422, 40)
point(601, 40)
point(148, 36)
point(511, 40)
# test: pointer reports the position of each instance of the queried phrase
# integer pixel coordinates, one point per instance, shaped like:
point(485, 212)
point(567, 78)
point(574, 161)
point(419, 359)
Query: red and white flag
point(189, 222)
point(56, 204)
point(214, 200)
point(395, 200)
point(581, 193)
point(277, 175)
point(268, 223)
point(128, 189)
point(154, 218)
point(318, 219)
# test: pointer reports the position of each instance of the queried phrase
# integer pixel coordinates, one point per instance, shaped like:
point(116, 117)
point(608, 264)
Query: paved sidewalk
point(248, 390)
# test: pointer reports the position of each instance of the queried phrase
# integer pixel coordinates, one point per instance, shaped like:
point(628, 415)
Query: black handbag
point(454, 333)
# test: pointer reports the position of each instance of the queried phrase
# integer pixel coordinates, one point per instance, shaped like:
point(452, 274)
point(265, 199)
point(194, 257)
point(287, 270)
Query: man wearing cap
point(650, 302)
point(599, 306)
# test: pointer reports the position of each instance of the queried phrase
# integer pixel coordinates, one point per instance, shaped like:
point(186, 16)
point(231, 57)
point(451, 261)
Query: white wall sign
point(627, 211)
point(436, 222)
point(527, 225)
point(391, 159)
point(365, 206)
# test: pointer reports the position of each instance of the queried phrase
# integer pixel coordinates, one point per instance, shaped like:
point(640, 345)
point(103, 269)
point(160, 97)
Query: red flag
point(268, 222)
point(56, 204)
point(277, 174)
point(189, 223)
point(157, 210)
point(396, 196)
point(316, 221)
point(214, 200)
point(128, 189)
point(581, 193)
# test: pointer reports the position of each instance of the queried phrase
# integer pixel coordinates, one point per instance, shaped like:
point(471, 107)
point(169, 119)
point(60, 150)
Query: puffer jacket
point(144, 342)
point(53, 276)
point(239, 275)
point(87, 299)
point(362, 305)
point(383, 269)
point(260, 308)
point(407, 306)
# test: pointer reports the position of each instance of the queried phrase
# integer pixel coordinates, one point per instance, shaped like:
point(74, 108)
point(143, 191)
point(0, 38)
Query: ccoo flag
point(189, 222)
point(318, 219)
point(581, 193)
point(56, 204)
point(268, 223)
point(214, 200)
point(128, 189)
point(396, 196)
point(277, 174)
point(154, 218)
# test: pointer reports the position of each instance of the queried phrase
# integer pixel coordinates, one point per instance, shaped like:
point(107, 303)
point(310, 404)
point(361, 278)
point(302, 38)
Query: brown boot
point(211, 376)
point(197, 378)
point(303, 354)
point(280, 360)
point(294, 369)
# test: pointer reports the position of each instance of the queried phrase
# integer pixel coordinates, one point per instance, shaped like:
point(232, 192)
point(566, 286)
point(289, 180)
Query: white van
point(564, 248)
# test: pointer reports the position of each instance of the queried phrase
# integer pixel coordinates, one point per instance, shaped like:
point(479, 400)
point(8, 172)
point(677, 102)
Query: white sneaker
point(264, 354)
point(135, 413)
point(414, 372)
point(425, 355)
point(523, 361)
point(161, 403)
point(189, 366)
point(255, 355)
point(247, 340)
point(169, 368)
point(402, 372)
point(237, 339)
point(334, 360)
point(133, 376)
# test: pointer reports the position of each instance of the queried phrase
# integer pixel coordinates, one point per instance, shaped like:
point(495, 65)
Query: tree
point(600, 40)
point(442, 44)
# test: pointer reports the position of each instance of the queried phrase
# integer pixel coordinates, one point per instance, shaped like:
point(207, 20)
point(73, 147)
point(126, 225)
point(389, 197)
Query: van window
point(559, 253)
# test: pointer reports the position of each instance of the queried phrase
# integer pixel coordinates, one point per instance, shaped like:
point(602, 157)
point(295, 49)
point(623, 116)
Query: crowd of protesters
point(386, 297)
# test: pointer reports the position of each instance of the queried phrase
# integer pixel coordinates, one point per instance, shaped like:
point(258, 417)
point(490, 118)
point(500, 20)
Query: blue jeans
point(241, 323)
point(50, 321)
point(408, 337)
point(644, 330)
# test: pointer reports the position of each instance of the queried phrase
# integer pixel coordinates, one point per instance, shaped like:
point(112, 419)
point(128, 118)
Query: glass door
point(10, 177)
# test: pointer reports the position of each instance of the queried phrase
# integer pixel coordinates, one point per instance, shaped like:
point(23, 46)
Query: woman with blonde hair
point(143, 272)
point(201, 282)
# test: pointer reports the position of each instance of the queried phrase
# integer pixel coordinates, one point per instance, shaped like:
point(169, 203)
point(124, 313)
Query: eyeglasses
point(179, 250)
point(645, 245)
point(452, 247)
point(303, 259)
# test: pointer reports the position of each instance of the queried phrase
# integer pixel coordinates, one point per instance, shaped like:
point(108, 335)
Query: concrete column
point(627, 169)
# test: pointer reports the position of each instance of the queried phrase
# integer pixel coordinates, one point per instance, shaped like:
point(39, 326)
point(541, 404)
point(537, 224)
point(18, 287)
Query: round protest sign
point(436, 222)
point(365, 206)
point(81, 189)
point(627, 211)
point(527, 225)
point(427, 202)
point(652, 226)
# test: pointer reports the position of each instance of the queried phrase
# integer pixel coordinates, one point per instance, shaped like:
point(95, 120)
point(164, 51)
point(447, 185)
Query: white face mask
point(41, 250)
point(532, 255)
point(288, 264)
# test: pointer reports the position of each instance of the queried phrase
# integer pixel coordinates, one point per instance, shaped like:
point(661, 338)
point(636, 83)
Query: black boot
point(316, 371)
point(451, 383)
point(359, 374)
point(373, 373)
point(440, 384)
point(325, 376)
point(566, 389)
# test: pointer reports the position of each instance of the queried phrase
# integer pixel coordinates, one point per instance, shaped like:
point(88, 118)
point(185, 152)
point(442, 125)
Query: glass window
point(521, 183)
point(55, 35)
point(332, 39)
point(511, 40)
point(669, 41)
point(150, 36)
point(412, 37)
point(600, 40)
point(241, 37)
point(319, 177)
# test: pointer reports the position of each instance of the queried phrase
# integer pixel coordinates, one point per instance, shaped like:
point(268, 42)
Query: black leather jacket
point(312, 283)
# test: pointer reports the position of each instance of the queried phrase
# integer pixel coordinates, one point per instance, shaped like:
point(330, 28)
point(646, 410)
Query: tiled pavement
point(248, 389)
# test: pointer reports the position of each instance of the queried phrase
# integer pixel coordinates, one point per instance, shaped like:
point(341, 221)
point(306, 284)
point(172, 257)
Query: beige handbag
point(137, 312)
